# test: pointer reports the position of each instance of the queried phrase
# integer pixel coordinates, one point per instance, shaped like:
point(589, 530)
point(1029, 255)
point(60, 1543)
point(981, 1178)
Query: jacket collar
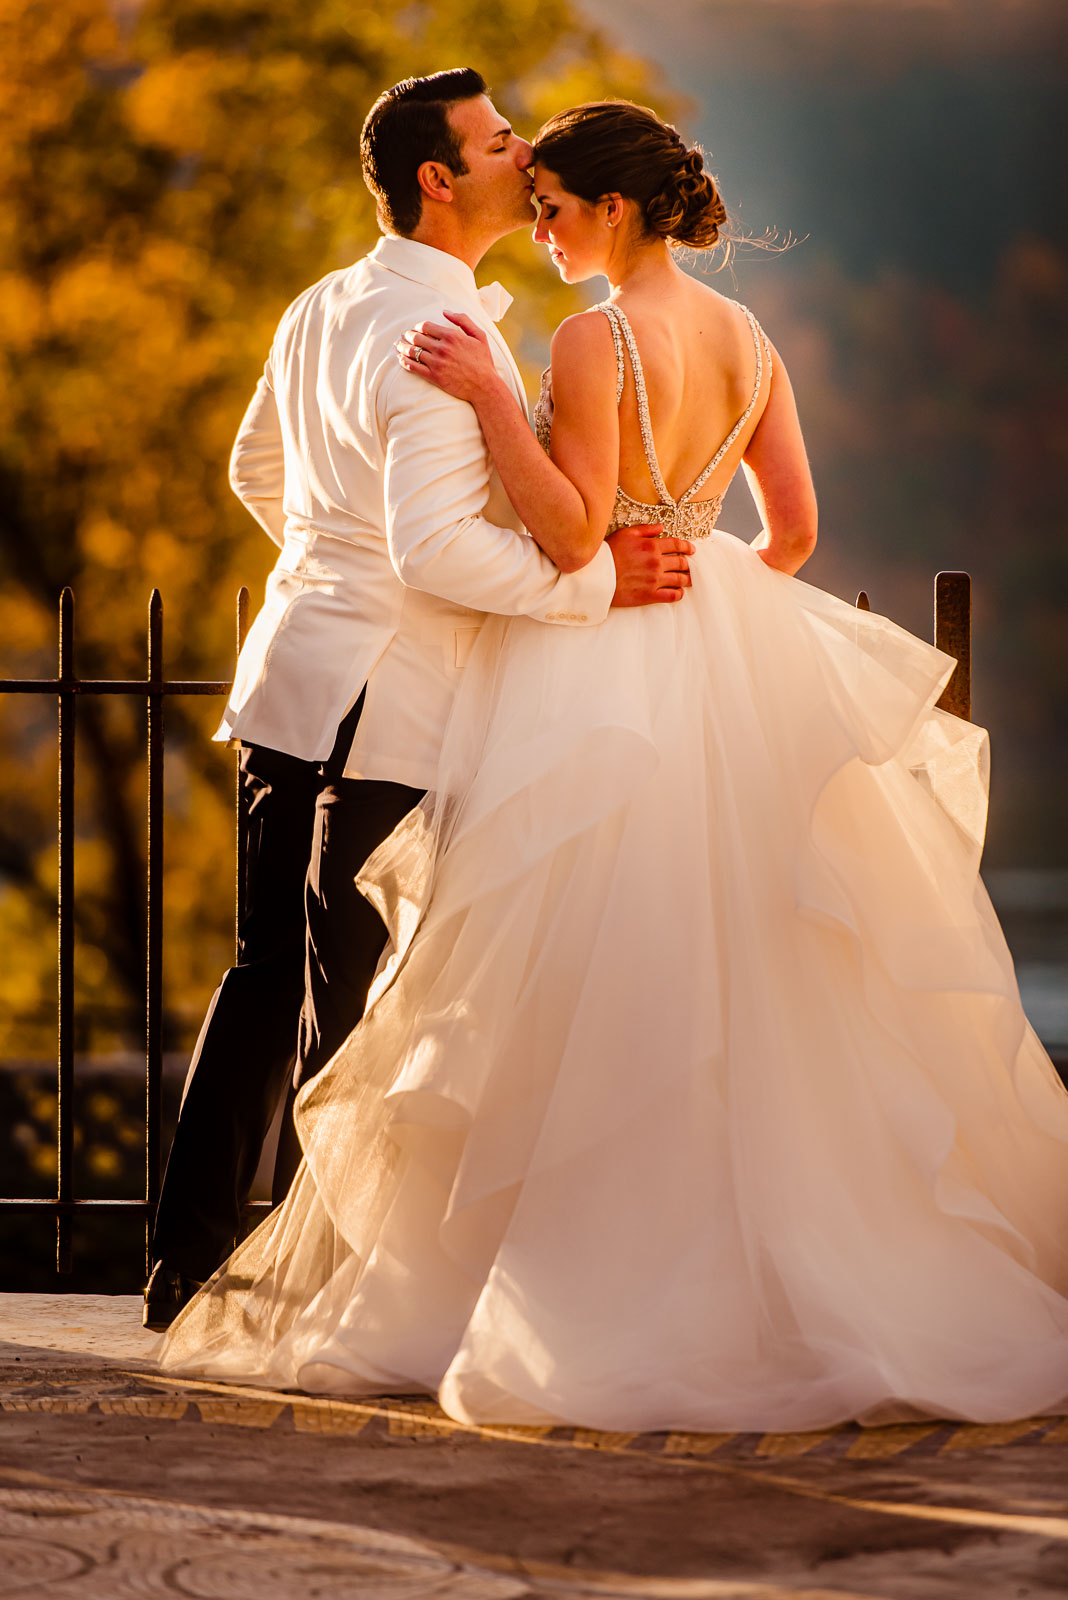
point(423, 264)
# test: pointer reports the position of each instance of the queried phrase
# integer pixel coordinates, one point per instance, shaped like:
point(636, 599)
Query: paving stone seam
point(312, 1413)
point(238, 1406)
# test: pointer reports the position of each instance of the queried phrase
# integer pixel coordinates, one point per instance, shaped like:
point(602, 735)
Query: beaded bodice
point(687, 517)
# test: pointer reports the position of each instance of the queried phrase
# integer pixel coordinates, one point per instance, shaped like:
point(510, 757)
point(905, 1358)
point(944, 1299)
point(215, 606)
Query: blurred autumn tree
point(172, 173)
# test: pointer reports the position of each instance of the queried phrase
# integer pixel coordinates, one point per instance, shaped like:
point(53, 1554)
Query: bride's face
point(576, 233)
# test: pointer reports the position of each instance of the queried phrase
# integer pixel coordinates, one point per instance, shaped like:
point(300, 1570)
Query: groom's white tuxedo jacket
point(396, 535)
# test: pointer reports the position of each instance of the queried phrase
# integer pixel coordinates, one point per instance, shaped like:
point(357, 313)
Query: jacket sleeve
point(436, 482)
point(257, 463)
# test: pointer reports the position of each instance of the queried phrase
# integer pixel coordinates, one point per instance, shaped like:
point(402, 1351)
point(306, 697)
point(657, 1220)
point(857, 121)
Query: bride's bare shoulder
point(584, 342)
point(586, 331)
point(715, 303)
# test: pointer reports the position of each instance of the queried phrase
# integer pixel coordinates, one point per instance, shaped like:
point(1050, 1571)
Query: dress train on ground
point(696, 1091)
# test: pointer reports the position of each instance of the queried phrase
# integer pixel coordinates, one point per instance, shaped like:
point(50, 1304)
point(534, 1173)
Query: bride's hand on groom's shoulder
point(457, 358)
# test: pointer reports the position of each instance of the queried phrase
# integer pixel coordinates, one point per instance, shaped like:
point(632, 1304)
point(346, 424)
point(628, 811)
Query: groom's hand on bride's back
point(649, 568)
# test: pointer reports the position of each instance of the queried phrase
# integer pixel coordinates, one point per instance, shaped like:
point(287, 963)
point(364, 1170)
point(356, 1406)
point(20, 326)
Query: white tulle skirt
point(696, 1091)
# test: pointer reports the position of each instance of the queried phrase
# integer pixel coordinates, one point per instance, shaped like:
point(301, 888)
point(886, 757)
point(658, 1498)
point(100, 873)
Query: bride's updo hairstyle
point(615, 146)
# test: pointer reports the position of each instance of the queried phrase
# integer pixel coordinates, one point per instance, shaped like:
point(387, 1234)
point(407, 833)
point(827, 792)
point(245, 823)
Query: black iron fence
point(952, 633)
point(154, 689)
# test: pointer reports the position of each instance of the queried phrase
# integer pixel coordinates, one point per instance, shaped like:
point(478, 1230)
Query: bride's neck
point(643, 268)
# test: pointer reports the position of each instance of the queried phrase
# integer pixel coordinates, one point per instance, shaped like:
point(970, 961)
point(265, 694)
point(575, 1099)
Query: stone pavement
point(118, 1481)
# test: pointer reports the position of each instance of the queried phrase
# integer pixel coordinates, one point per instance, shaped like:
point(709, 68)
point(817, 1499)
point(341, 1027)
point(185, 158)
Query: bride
point(696, 1091)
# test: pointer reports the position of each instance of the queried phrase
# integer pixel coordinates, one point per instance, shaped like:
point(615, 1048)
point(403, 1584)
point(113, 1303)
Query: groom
point(396, 540)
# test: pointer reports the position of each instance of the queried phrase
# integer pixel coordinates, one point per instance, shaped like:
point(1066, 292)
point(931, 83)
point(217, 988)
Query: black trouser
point(307, 951)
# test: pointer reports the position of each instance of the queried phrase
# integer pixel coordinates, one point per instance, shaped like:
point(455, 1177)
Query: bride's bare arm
point(776, 466)
point(565, 501)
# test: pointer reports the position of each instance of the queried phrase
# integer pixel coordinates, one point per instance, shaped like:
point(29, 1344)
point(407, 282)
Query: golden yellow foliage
point(167, 185)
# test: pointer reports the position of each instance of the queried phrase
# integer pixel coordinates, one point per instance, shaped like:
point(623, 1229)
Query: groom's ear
point(436, 181)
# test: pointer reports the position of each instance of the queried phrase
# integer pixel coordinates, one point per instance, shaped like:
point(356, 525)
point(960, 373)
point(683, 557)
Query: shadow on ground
point(216, 1489)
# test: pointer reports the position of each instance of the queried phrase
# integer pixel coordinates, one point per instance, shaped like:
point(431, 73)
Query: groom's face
point(494, 194)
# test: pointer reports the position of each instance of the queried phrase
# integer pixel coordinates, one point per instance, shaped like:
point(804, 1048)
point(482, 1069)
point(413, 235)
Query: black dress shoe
point(166, 1292)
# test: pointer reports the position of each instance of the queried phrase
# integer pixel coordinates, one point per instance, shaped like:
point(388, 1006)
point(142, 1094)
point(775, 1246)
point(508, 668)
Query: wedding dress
point(695, 1091)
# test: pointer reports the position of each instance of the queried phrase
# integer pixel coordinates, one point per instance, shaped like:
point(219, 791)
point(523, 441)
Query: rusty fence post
point(953, 634)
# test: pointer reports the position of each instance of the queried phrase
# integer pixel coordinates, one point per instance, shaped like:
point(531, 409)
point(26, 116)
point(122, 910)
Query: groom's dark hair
point(407, 125)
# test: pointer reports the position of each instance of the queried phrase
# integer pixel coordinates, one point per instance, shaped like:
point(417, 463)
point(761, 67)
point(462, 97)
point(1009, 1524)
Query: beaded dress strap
point(621, 363)
point(620, 325)
point(617, 340)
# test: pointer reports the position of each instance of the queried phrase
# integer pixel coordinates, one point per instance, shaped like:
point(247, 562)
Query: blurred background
point(173, 172)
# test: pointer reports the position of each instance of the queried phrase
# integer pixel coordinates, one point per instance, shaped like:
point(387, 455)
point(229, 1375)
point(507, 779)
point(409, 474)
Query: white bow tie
point(495, 299)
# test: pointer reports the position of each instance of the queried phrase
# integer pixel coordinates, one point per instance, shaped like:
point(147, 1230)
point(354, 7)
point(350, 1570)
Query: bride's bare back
point(700, 366)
